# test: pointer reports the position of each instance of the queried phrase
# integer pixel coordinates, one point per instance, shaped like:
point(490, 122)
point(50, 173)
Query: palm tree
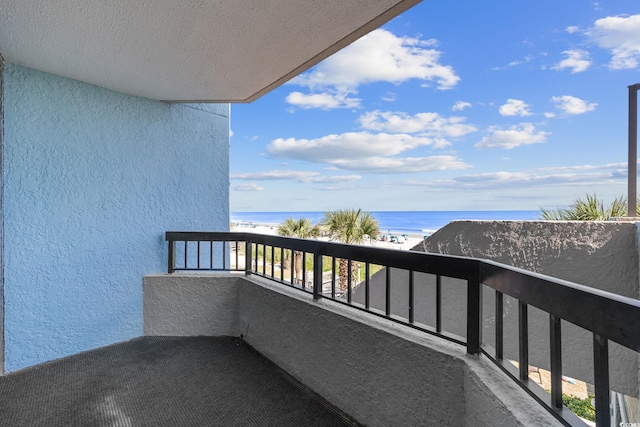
point(300, 228)
point(590, 209)
point(352, 227)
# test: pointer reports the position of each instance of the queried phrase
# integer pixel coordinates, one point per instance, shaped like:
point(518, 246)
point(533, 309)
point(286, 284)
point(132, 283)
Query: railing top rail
point(610, 315)
point(445, 265)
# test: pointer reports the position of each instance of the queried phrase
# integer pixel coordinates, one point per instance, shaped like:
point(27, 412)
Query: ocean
point(395, 222)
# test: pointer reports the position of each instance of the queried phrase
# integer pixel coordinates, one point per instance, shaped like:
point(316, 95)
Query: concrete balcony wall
point(188, 305)
point(92, 180)
point(603, 255)
point(378, 372)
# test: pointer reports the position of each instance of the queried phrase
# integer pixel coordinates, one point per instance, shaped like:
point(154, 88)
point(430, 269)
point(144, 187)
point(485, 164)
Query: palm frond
point(590, 209)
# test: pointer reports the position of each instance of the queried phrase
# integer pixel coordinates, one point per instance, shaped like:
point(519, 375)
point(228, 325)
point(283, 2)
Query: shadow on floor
point(162, 381)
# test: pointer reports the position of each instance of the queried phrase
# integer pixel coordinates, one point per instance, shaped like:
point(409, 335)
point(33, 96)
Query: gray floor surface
point(162, 381)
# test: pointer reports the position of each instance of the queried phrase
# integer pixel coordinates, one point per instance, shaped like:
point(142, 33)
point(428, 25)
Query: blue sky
point(450, 106)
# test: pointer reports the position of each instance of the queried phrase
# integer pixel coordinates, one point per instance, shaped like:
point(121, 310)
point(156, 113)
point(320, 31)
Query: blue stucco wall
point(92, 180)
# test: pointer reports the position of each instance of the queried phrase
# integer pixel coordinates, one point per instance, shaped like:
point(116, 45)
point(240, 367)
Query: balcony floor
point(162, 381)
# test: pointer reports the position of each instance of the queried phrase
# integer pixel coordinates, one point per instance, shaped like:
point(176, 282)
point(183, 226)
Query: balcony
point(322, 344)
point(486, 285)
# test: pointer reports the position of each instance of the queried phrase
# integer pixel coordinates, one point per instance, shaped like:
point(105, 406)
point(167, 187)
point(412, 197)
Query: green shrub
point(580, 407)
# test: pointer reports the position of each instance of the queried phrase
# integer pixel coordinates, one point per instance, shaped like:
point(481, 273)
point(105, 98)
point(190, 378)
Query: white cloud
point(306, 177)
point(515, 107)
point(609, 166)
point(389, 97)
point(515, 136)
point(621, 36)
point(230, 133)
point(517, 62)
point(577, 60)
point(252, 186)
point(549, 115)
point(428, 124)
point(586, 175)
point(350, 145)
point(460, 105)
point(526, 59)
point(365, 152)
point(572, 105)
point(395, 165)
point(379, 56)
point(325, 101)
point(571, 29)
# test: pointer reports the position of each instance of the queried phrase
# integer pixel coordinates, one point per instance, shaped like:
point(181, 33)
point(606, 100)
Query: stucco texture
point(189, 305)
point(92, 180)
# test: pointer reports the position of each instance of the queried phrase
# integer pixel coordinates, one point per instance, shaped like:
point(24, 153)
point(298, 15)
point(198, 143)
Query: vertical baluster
point(248, 246)
point(474, 316)
point(349, 281)
point(438, 303)
point(304, 270)
point(556, 361)
point(411, 306)
point(333, 277)
point(264, 259)
point(601, 380)
point(317, 275)
point(367, 289)
point(172, 257)
point(523, 340)
point(293, 267)
point(224, 256)
point(273, 262)
point(499, 325)
point(387, 307)
point(255, 256)
point(238, 255)
point(281, 264)
point(186, 244)
point(198, 255)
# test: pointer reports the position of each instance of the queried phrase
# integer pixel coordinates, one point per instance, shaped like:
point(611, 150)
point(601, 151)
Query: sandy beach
point(410, 241)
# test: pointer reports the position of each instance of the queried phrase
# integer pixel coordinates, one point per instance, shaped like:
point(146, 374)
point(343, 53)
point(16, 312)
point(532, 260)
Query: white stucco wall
point(92, 180)
point(378, 372)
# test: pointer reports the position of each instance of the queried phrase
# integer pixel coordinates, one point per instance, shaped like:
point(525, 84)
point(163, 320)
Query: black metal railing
point(608, 316)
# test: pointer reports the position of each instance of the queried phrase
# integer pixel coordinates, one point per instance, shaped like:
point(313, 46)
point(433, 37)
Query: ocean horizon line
point(400, 222)
point(401, 210)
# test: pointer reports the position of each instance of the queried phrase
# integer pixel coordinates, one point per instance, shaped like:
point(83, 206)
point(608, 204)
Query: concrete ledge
point(191, 305)
point(379, 372)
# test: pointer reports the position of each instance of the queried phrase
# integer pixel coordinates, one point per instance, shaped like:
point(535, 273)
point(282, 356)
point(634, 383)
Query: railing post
point(601, 380)
point(317, 275)
point(248, 257)
point(556, 361)
point(499, 325)
point(474, 316)
point(523, 340)
point(172, 257)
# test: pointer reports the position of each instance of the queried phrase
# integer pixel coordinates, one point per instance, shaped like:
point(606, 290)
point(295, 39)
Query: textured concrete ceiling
point(185, 50)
